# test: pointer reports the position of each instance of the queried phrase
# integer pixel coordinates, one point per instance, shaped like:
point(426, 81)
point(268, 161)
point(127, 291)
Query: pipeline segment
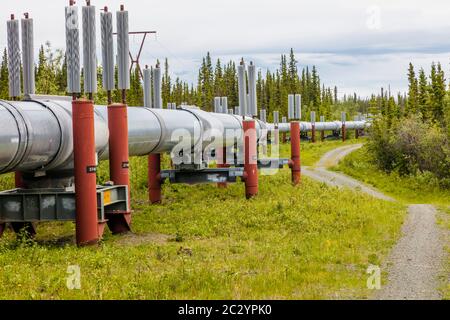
point(37, 136)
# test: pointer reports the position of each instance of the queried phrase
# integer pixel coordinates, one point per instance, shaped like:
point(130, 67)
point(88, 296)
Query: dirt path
point(416, 261)
point(332, 158)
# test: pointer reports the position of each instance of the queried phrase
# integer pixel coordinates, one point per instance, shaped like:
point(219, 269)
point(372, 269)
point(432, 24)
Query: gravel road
point(416, 261)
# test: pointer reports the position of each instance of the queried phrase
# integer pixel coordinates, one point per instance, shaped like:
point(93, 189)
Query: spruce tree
point(422, 98)
point(166, 84)
point(4, 91)
point(412, 106)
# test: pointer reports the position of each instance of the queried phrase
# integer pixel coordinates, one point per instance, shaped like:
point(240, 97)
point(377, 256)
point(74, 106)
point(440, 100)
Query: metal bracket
point(213, 175)
point(217, 175)
point(37, 205)
point(269, 163)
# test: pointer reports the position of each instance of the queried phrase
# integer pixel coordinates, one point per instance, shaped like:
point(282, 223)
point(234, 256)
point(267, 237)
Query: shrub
point(412, 147)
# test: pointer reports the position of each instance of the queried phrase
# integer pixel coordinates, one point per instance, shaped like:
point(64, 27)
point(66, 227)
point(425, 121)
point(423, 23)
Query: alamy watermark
point(373, 21)
point(374, 279)
point(73, 280)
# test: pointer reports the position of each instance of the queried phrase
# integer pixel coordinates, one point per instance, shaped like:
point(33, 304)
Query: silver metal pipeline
point(322, 126)
point(36, 135)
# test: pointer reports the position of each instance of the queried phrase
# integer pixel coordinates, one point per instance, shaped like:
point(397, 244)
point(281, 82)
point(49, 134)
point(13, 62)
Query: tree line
point(411, 134)
point(214, 79)
point(427, 97)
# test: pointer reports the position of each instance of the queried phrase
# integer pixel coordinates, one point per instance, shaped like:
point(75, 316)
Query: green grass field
point(410, 190)
point(307, 242)
point(406, 189)
point(312, 152)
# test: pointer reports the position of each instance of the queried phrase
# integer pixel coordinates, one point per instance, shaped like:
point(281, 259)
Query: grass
point(312, 152)
point(409, 189)
point(309, 242)
point(444, 222)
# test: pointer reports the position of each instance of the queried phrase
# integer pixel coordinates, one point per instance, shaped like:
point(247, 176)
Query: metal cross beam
point(136, 60)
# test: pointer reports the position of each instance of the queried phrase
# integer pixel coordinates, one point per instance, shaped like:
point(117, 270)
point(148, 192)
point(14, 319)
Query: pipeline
point(322, 126)
point(37, 134)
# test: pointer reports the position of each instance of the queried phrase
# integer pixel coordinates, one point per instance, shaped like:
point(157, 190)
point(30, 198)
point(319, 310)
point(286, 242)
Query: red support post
point(295, 162)
point(313, 133)
point(344, 133)
point(87, 224)
point(222, 163)
point(250, 159)
point(18, 180)
point(284, 137)
point(154, 178)
point(119, 222)
point(322, 136)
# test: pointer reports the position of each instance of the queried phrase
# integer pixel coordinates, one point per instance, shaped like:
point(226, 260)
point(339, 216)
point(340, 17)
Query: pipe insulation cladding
point(313, 117)
point(73, 50)
point(263, 115)
point(291, 107)
point(224, 103)
point(28, 56)
point(276, 118)
point(157, 97)
point(217, 105)
point(242, 89)
point(148, 103)
point(14, 62)
point(37, 135)
point(106, 22)
point(322, 126)
point(298, 107)
point(89, 50)
point(253, 108)
point(123, 50)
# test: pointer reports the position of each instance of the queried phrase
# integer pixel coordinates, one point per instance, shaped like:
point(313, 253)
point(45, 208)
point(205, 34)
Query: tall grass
point(309, 242)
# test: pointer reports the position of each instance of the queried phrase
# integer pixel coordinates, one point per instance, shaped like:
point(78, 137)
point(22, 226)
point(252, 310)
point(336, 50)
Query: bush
point(412, 147)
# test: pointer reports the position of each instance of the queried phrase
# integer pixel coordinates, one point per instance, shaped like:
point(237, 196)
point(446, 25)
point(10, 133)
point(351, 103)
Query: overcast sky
point(358, 45)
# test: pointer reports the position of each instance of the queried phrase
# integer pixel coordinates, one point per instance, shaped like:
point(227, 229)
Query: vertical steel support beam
point(221, 155)
point(344, 132)
point(250, 159)
point(284, 137)
point(154, 178)
point(295, 163)
point(119, 162)
point(18, 180)
point(313, 133)
point(87, 232)
point(18, 227)
point(356, 133)
point(322, 135)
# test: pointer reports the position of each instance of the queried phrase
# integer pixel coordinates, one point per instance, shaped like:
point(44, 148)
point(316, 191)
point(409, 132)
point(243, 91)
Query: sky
point(357, 45)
